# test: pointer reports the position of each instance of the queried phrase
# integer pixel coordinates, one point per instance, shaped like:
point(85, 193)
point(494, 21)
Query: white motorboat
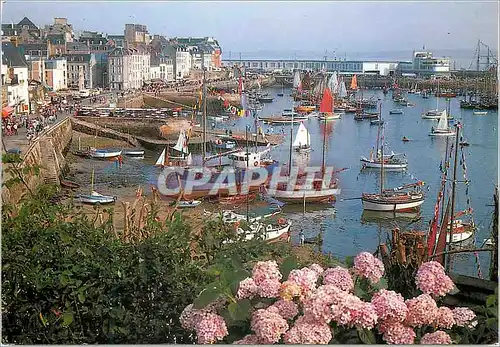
point(480, 113)
point(267, 232)
point(104, 153)
point(96, 198)
point(188, 204)
point(443, 128)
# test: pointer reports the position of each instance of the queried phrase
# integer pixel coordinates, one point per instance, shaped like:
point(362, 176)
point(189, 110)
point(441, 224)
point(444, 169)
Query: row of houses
point(58, 57)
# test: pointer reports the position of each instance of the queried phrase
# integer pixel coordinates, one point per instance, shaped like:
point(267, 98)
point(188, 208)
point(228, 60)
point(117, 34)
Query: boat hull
point(105, 154)
point(310, 196)
point(93, 200)
point(439, 133)
point(389, 206)
point(367, 164)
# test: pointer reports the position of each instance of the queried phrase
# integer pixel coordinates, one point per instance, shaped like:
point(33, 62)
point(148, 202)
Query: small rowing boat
point(188, 204)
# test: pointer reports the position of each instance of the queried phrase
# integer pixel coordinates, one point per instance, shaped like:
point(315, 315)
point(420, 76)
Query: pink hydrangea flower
point(366, 265)
point(464, 317)
point(249, 340)
point(339, 277)
point(324, 304)
point(316, 268)
point(247, 288)
point(286, 309)
point(398, 334)
point(266, 270)
point(305, 278)
point(210, 328)
point(432, 279)
point(422, 310)
point(190, 316)
point(308, 331)
point(436, 338)
point(355, 312)
point(269, 288)
point(445, 318)
point(289, 290)
point(389, 305)
point(268, 325)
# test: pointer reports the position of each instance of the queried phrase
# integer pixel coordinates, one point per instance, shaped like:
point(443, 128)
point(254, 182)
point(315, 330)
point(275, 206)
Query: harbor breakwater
point(47, 152)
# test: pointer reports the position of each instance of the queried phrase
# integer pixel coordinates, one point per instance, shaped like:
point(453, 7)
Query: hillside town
point(58, 58)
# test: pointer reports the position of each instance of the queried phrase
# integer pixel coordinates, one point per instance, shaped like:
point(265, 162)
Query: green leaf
point(455, 290)
point(81, 297)
point(67, 318)
point(382, 284)
point(349, 261)
point(206, 297)
point(366, 336)
point(239, 310)
point(288, 265)
point(236, 262)
point(492, 323)
point(491, 300)
point(359, 292)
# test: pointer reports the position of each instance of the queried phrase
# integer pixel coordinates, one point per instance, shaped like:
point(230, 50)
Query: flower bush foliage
point(312, 305)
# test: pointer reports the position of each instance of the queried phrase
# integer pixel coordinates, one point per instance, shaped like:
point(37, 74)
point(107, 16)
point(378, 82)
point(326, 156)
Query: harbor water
point(345, 228)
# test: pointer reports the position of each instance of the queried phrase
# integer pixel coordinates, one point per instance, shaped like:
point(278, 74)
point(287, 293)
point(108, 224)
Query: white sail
point(161, 158)
point(181, 144)
point(189, 159)
point(296, 79)
point(443, 121)
point(342, 90)
point(333, 83)
point(302, 138)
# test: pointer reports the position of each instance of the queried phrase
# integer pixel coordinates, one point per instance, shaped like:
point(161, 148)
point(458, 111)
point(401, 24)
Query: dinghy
point(480, 113)
point(188, 204)
point(396, 111)
point(302, 143)
point(94, 197)
point(133, 152)
point(442, 129)
point(104, 153)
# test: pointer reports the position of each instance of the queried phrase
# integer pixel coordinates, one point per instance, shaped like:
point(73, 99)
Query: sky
point(287, 28)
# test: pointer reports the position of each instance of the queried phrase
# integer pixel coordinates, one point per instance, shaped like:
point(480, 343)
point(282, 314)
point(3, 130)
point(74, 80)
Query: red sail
point(326, 105)
point(441, 245)
point(431, 238)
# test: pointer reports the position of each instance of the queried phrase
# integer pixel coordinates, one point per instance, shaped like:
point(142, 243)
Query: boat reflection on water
point(389, 218)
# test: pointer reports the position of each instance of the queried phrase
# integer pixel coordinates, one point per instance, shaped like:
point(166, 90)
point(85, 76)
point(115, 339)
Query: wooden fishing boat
point(69, 184)
point(396, 199)
point(305, 108)
point(365, 115)
point(231, 200)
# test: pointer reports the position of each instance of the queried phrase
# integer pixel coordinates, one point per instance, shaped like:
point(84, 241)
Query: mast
point(92, 181)
point(204, 116)
point(324, 151)
point(445, 173)
point(248, 168)
point(382, 161)
point(291, 142)
point(453, 186)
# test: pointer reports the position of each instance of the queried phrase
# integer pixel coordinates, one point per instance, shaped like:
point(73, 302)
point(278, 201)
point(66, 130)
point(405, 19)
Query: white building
point(56, 73)
point(128, 68)
point(182, 62)
point(14, 71)
point(167, 69)
point(425, 62)
point(382, 68)
point(154, 72)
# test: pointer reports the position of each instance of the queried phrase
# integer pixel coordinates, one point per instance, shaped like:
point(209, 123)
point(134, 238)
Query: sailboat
point(181, 146)
point(433, 114)
point(326, 107)
point(302, 141)
point(94, 197)
point(391, 162)
point(394, 200)
point(299, 191)
point(379, 119)
point(442, 129)
point(342, 89)
point(438, 236)
point(354, 83)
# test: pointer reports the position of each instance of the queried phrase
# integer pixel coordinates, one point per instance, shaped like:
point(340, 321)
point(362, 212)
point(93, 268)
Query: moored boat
point(133, 152)
point(104, 153)
point(188, 204)
point(442, 129)
point(94, 197)
point(480, 113)
point(396, 111)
